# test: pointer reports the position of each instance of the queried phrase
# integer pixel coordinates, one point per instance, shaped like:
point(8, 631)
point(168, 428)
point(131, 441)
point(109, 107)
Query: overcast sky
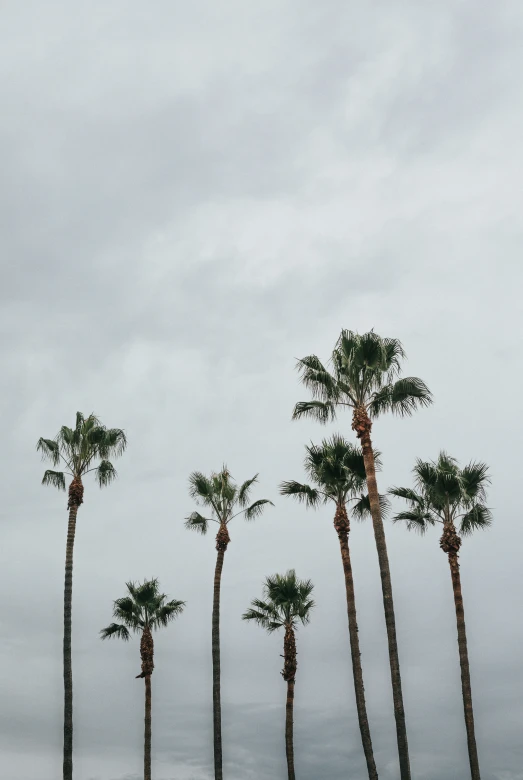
point(193, 195)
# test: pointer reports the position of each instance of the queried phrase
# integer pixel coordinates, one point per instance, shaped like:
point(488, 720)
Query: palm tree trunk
point(222, 540)
point(362, 425)
point(290, 666)
point(289, 737)
point(147, 736)
point(450, 543)
point(75, 499)
point(341, 523)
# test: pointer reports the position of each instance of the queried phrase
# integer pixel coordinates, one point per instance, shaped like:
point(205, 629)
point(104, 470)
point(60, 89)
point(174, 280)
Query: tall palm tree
point(226, 501)
point(142, 611)
point(83, 449)
point(337, 471)
point(286, 602)
point(448, 494)
point(364, 377)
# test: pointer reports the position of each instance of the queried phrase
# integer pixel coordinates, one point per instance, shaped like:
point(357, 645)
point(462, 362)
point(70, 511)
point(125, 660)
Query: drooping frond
point(416, 519)
point(479, 517)
point(316, 378)
point(105, 473)
point(321, 411)
point(127, 610)
point(49, 450)
point(474, 479)
point(303, 493)
point(55, 479)
point(116, 631)
point(113, 443)
point(196, 522)
point(245, 490)
point(256, 509)
point(407, 494)
point(361, 508)
point(166, 613)
point(409, 394)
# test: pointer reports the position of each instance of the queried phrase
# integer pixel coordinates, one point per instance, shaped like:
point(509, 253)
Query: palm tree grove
point(342, 476)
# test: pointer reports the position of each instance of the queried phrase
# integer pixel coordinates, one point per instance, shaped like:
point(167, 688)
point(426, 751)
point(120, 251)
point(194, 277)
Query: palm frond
point(54, 478)
point(166, 613)
point(49, 450)
point(416, 519)
point(474, 478)
point(361, 508)
point(479, 517)
point(116, 631)
point(196, 522)
point(201, 488)
point(256, 509)
point(408, 394)
point(317, 410)
point(407, 494)
point(316, 378)
point(380, 401)
point(303, 493)
point(105, 473)
point(244, 491)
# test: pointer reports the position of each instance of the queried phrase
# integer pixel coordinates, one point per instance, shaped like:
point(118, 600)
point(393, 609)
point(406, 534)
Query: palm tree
point(447, 494)
point(364, 377)
point(337, 470)
point(142, 611)
point(83, 449)
point(225, 501)
point(286, 602)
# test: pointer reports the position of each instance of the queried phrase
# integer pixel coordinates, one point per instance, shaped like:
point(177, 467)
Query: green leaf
point(196, 522)
point(317, 410)
point(244, 491)
point(479, 517)
point(303, 493)
point(105, 473)
point(116, 631)
point(49, 450)
point(409, 394)
point(55, 479)
point(256, 509)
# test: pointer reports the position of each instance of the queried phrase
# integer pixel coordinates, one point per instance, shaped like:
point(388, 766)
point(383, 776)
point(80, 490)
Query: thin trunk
point(147, 736)
point(289, 737)
point(222, 540)
point(75, 499)
point(341, 523)
point(450, 543)
point(362, 425)
point(290, 665)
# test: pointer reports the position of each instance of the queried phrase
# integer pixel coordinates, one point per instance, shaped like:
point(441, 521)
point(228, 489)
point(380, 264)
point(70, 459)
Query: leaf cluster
point(286, 602)
point(143, 606)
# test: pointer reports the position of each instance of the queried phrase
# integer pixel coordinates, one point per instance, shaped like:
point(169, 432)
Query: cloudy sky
point(193, 195)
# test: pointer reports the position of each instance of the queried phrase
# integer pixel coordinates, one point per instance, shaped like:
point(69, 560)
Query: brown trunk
point(147, 736)
point(75, 499)
point(341, 524)
point(290, 666)
point(146, 653)
point(362, 425)
point(222, 540)
point(450, 543)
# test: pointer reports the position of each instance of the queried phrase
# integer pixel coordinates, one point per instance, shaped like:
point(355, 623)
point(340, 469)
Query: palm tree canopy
point(337, 471)
point(286, 602)
point(444, 491)
point(79, 448)
point(223, 497)
point(143, 606)
point(365, 373)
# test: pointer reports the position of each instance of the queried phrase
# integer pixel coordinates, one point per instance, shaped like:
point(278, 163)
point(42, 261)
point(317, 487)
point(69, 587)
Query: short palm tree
point(83, 449)
point(286, 602)
point(337, 471)
point(142, 611)
point(448, 494)
point(226, 501)
point(364, 378)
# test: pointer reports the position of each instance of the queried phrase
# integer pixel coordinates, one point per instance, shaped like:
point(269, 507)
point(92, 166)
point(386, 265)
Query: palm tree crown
point(225, 499)
point(79, 448)
point(337, 470)
point(286, 602)
point(365, 374)
point(143, 607)
point(446, 493)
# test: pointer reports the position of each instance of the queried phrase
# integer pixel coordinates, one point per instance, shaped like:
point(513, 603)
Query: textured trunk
point(450, 543)
point(290, 665)
point(75, 499)
point(147, 735)
point(222, 540)
point(289, 738)
point(341, 524)
point(362, 425)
